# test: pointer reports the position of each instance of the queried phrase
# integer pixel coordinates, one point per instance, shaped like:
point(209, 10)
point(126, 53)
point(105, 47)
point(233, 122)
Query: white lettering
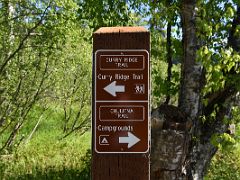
point(114, 59)
point(125, 128)
point(104, 77)
point(107, 128)
point(121, 77)
point(130, 59)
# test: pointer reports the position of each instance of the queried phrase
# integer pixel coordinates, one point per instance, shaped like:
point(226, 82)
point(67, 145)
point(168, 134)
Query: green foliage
point(158, 67)
point(162, 14)
point(160, 86)
point(47, 59)
point(214, 21)
point(226, 164)
point(32, 35)
point(222, 140)
point(72, 78)
point(68, 159)
point(217, 65)
point(45, 156)
point(45, 76)
point(100, 13)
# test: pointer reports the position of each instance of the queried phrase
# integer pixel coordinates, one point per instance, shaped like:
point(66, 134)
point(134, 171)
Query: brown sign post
point(120, 125)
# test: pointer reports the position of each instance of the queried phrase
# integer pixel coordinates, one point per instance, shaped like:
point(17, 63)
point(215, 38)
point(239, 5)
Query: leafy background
point(45, 79)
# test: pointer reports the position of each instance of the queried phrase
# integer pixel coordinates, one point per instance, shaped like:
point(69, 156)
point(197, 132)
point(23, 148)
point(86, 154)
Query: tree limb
point(169, 58)
point(23, 41)
point(218, 98)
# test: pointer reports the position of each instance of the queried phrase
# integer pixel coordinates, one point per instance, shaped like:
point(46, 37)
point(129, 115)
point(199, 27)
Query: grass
point(49, 159)
point(225, 165)
point(45, 156)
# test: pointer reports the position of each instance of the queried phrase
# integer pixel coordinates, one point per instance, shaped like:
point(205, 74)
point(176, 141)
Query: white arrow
point(130, 139)
point(113, 88)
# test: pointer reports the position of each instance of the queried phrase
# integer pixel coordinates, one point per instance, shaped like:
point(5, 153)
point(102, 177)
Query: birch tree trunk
point(181, 142)
point(200, 151)
point(176, 127)
point(189, 100)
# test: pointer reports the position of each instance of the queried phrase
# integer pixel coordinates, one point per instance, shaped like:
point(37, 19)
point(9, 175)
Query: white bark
point(191, 82)
point(10, 16)
point(191, 70)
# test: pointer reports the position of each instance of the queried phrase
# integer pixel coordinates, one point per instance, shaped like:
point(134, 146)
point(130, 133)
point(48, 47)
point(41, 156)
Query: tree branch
point(81, 125)
point(169, 59)
point(218, 98)
point(23, 41)
point(234, 41)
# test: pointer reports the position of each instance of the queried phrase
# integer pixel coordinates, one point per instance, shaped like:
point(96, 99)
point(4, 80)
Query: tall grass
point(225, 165)
point(45, 156)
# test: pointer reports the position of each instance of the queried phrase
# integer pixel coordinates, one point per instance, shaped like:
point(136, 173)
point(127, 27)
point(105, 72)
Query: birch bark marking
point(191, 70)
point(191, 82)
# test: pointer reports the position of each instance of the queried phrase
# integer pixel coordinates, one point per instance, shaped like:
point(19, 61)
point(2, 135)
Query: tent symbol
point(103, 140)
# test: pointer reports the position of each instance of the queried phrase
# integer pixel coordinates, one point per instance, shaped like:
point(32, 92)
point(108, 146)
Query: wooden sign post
point(120, 125)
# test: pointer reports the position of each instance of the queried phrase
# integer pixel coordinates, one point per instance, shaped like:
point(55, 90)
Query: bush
point(225, 164)
point(52, 159)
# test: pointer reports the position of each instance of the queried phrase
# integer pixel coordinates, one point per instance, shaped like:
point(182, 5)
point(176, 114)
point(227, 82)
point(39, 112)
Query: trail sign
point(120, 104)
point(121, 101)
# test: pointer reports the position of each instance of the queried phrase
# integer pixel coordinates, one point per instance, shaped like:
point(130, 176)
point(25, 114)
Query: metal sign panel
point(121, 101)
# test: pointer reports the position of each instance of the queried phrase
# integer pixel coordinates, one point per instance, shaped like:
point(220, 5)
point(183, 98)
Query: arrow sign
point(130, 139)
point(113, 88)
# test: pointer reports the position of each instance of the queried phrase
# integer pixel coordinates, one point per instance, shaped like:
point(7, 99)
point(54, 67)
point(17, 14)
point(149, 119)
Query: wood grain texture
point(119, 166)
